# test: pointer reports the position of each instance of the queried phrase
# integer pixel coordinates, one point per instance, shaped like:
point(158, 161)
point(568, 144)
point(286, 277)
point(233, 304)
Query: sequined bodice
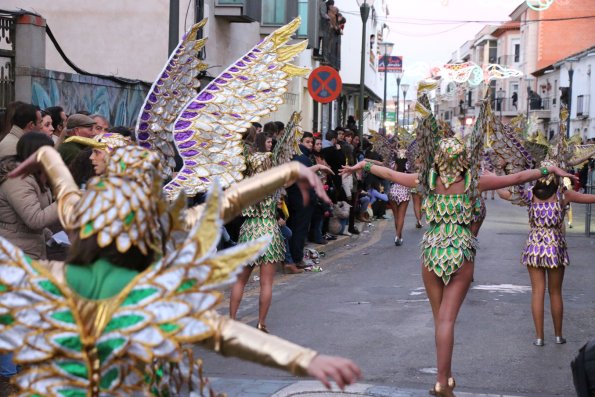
point(546, 215)
point(267, 208)
point(448, 208)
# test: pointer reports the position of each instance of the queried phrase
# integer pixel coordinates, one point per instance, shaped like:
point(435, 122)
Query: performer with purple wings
point(545, 254)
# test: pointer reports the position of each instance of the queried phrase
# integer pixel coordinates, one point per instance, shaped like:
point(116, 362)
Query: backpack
point(583, 370)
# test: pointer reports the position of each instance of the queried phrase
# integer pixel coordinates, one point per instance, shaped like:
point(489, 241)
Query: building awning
point(353, 89)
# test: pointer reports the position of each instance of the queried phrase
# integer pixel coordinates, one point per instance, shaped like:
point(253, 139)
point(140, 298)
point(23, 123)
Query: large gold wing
point(207, 131)
point(289, 144)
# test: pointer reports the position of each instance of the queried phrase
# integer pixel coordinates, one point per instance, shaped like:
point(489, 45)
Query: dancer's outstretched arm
point(252, 190)
point(232, 338)
point(409, 180)
point(494, 182)
point(570, 196)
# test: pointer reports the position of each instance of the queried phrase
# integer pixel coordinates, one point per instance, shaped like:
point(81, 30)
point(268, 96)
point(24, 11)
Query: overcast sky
point(424, 32)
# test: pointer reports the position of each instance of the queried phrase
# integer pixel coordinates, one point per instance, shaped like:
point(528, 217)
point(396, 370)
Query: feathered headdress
point(449, 154)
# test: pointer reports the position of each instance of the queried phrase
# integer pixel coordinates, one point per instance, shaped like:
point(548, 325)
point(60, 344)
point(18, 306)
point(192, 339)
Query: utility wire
point(422, 21)
point(48, 31)
point(116, 79)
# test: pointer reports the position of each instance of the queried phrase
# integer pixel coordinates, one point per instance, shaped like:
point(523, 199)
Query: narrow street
point(369, 304)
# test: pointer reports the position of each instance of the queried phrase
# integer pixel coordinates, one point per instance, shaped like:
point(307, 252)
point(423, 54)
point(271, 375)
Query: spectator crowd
point(29, 213)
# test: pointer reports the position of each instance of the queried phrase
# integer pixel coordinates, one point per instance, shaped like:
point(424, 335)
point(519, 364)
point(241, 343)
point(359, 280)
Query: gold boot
point(451, 384)
point(444, 391)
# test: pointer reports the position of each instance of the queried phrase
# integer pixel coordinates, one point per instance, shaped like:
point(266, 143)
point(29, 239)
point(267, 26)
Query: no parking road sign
point(324, 84)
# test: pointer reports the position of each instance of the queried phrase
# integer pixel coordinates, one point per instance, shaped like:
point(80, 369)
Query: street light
point(398, 75)
point(364, 11)
point(396, 101)
point(570, 75)
point(500, 94)
point(405, 88)
point(388, 49)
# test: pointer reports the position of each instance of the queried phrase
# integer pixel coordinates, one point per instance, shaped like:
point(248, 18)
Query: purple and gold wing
point(288, 145)
point(207, 131)
point(176, 85)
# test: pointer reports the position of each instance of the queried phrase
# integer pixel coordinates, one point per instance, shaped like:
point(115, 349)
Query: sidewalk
point(365, 229)
point(280, 388)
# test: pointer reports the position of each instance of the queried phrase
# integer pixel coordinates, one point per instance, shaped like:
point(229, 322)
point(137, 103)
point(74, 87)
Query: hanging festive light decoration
point(473, 74)
point(539, 5)
point(494, 71)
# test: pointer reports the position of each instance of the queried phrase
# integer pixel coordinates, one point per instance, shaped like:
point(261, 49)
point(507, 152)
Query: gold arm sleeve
point(65, 189)
point(250, 191)
point(55, 268)
point(232, 338)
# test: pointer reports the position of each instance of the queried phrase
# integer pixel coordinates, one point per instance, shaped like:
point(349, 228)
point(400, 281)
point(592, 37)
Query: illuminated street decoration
point(472, 73)
point(495, 71)
point(539, 5)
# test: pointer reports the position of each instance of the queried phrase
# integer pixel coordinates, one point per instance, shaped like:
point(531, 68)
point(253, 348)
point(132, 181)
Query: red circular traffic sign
point(324, 84)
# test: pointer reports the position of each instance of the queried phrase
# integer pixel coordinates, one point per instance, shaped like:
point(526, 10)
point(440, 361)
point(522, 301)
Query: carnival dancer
point(260, 220)
point(545, 253)
point(450, 181)
point(121, 315)
point(395, 158)
point(399, 197)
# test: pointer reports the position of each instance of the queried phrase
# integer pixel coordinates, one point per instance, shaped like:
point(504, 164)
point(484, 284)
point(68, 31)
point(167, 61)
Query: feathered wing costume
point(74, 346)
point(545, 245)
point(448, 241)
point(174, 87)
point(206, 127)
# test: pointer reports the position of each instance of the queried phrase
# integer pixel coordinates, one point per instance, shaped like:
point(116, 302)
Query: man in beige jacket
point(26, 119)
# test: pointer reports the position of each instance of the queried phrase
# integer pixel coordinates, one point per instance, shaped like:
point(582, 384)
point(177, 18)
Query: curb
point(366, 229)
point(311, 388)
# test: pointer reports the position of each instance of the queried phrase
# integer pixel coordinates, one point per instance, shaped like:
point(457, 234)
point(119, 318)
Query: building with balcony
point(506, 94)
point(351, 65)
point(547, 37)
point(539, 44)
point(553, 82)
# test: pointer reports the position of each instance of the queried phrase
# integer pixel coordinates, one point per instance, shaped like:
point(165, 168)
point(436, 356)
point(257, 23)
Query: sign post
point(395, 64)
point(324, 84)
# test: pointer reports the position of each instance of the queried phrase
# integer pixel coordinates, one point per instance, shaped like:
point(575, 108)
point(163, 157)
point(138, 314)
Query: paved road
point(369, 304)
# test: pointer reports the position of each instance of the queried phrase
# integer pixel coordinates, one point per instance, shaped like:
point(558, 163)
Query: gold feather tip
point(284, 33)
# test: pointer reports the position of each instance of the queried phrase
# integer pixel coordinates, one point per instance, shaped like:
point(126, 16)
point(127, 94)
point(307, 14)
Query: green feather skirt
point(448, 242)
point(254, 228)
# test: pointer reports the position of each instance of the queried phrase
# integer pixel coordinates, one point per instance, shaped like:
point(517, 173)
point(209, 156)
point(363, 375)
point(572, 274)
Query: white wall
point(351, 44)
point(582, 84)
point(126, 38)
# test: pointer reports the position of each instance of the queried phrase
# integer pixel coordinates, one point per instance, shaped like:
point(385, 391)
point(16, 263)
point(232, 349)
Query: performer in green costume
point(449, 178)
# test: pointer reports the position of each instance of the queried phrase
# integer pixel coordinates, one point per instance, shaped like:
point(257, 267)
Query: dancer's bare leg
point(475, 226)
point(393, 207)
point(416, 197)
point(400, 220)
point(434, 290)
point(554, 286)
point(537, 276)
point(267, 273)
point(237, 291)
point(453, 296)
